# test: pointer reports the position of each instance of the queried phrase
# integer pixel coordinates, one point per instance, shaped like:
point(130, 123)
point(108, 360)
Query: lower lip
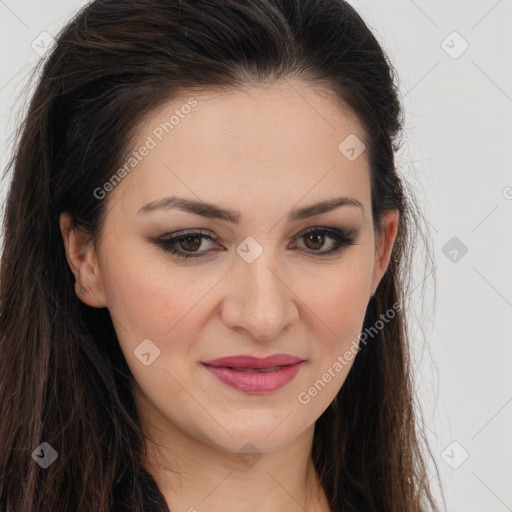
point(255, 382)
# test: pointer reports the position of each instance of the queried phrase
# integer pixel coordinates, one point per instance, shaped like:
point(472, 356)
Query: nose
point(260, 303)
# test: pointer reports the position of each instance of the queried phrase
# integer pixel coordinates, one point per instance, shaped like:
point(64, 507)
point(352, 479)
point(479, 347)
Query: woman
point(205, 267)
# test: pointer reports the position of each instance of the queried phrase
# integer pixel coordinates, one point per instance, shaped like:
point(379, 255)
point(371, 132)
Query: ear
point(384, 243)
point(82, 260)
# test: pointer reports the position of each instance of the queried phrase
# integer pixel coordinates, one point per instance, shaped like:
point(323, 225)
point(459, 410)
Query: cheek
point(154, 304)
point(340, 310)
point(340, 300)
point(151, 299)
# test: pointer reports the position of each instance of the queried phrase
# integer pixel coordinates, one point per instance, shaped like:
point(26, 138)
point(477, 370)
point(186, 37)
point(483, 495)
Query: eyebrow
point(216, 212)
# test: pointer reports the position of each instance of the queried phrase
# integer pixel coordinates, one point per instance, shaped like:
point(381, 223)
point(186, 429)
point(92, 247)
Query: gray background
point(456, 155)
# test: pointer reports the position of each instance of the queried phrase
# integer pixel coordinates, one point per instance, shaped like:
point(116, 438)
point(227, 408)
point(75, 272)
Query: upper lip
point(246, 361)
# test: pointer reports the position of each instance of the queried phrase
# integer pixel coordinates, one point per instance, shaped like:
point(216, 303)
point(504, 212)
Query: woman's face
point(259, 280)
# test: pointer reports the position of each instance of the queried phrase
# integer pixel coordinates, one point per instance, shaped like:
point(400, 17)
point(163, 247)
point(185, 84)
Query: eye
point(315, 238)
point(187, 241)
point(188, 244)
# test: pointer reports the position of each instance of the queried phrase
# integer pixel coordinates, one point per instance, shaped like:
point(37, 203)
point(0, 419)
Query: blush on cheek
point(144, 304)
point(341, 315)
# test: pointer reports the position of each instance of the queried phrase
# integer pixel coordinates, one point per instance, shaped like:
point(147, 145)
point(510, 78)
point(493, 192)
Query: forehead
point(274, 142)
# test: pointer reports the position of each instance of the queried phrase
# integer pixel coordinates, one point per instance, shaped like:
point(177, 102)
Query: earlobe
point(384, 244)
point(82, 260)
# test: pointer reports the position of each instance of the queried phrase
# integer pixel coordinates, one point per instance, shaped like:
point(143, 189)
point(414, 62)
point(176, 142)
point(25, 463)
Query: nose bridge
point(259, 301)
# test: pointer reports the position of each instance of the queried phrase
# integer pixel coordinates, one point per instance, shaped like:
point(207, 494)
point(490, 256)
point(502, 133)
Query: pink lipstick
point(253, 374)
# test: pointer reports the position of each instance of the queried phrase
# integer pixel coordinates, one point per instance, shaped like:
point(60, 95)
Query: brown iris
point(191, 247)
point(319, 241)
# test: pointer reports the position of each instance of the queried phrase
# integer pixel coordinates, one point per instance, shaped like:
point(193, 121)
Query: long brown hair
point(64, 380)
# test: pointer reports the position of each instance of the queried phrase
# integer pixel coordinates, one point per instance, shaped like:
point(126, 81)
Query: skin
point(263, 151)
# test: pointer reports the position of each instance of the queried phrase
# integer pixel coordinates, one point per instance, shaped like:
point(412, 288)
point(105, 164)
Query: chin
point(263, 435)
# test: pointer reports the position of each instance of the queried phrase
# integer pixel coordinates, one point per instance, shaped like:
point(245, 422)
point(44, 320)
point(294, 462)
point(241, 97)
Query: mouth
point(255, 375)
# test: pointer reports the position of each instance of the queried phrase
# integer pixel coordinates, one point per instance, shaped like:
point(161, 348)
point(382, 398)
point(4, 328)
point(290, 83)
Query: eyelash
point(342, 239)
